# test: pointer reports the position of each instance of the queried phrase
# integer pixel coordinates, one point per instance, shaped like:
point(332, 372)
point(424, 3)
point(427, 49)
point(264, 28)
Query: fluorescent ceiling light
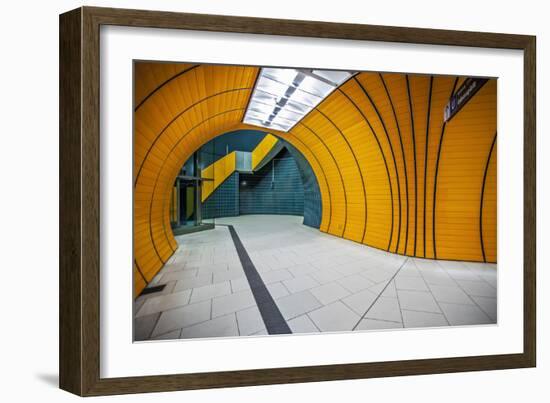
point(282, 97)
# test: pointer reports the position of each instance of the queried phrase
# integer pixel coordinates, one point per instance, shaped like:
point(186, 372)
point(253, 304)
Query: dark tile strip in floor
point(152, 289)
point(271, 315)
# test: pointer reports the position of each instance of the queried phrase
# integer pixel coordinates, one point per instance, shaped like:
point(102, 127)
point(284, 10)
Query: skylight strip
point(282, 97)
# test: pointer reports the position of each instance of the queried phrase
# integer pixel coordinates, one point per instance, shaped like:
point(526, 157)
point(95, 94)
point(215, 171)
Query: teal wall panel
point(275, 189)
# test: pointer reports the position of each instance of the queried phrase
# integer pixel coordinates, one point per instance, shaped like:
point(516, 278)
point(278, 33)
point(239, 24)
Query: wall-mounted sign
point(464, 93)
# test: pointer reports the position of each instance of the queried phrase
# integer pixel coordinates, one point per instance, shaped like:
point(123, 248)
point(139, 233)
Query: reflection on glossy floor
point(318, 282)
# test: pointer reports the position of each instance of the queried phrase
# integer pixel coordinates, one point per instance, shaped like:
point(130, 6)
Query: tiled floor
point(319, 283)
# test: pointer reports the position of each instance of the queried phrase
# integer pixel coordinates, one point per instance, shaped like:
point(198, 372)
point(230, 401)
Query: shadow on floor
point(49, 379)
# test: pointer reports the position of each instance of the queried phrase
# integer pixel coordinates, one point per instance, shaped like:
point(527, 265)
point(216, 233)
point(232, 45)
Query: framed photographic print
point(251, 201)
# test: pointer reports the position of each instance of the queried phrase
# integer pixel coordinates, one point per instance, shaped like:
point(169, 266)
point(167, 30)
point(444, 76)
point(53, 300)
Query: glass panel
point(284, 96)
point(315, 87)
point(305, 98)
point(285, 76)
point(188, 213)
point(271, 87)
point(337, 77)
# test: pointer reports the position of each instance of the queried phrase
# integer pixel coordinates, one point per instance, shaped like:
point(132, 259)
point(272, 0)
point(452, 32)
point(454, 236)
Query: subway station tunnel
point(276, 201)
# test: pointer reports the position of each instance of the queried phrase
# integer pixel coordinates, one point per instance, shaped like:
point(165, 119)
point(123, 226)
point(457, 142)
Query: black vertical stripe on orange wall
point(157, 137)
point(339, 173)
point(411, 113)
point(356, 163)
point(140, 272)
point(324, 177)
point(426, 162)
point(482, 196)
point(441, 136)
point(404, 162)
point(393, 157)
point(170, 185)
point(383, 157)
point(167, 202)
point(251, 92)
point(163, 84)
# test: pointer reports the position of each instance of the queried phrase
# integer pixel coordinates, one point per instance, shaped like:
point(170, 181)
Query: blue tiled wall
point(224, 201)
point(312, 194)
point(274, 189)
point(295, 191)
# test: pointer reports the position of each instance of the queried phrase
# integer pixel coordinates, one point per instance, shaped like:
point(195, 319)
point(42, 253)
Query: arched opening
point(381, 163)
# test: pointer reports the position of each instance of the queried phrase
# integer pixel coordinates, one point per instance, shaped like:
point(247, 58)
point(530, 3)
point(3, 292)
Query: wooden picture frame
point(79, 201)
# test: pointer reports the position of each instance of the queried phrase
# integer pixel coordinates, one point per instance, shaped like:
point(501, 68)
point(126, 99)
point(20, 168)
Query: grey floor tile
point(324, 276)
point(329, 292)
point(451, 264)
point(360, 301)
point(410, 283)
point(195, 282)
point(240, 284)
point(487, 305)
point(371, 324)
point(348, 269)
point(164, 302)
point(301, 283)
point(173, 335)
point(478, 288)
point(210, 291)
point(417, 301)
point(490, 278)
point(277, 290)
point(409, 269)
point(276, 275)
point(355, 283)
point(178, 275)
point(138, 303)
point(438, 278)
point(210, 268)
point(168, 289)
point(450, 294)
point(390, 290)
point(425, 265)
point(224, 326)
point(385, 309)
point(378, 275)
point(462, 274)
point(282, 249)
point(181, 317)
point(279, 263)
point(302, 324)
point(423, 319)
point(334, 317)
point(143, 326)
point(381, 287)
point(301, 269)
point(297, 304)
point(233, 274)
point(250, 321)
point(232, 303)
point(465, 314)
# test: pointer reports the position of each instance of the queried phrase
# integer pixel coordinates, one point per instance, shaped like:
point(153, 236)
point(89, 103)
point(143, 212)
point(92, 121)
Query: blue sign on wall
point(464, 93)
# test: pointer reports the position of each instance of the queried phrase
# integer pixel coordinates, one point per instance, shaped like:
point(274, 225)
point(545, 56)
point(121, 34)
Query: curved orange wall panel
point(391, 173)
point(179, 116)
point(489, 206)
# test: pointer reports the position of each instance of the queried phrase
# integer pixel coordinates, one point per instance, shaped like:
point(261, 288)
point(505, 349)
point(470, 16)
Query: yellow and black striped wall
point(391, 173)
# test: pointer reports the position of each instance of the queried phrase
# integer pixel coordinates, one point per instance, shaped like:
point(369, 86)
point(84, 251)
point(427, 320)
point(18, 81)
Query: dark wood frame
point(79, 201)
